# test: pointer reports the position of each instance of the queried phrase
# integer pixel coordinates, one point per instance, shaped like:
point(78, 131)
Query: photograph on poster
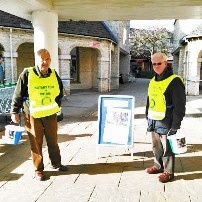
point(117, 125)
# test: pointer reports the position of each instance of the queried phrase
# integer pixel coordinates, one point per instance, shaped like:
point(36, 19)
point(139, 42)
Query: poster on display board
point(116, 121)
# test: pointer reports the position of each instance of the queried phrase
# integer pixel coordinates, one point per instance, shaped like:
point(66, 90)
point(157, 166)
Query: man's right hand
point(15, 118)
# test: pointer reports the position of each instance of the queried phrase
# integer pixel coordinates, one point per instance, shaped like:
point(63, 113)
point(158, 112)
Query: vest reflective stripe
point(42, 93)
point(43, 108)
point(156, 115)
point(157, 102)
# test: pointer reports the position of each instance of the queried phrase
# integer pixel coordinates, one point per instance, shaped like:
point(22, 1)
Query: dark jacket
point(20, 98)
point(175, 101)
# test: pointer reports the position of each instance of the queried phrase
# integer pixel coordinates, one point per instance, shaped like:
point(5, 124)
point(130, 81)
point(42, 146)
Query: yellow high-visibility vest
point(157, 102)
point(42, 93)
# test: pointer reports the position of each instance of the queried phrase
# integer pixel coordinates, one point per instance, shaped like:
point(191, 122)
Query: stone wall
point(121, 29)
point(12, 40)
point(97, 56)
point(187, 49)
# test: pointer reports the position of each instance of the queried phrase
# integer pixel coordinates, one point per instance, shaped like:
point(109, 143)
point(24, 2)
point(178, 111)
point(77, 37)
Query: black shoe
point(60, 168)
point(63, 168)
point(39, 176)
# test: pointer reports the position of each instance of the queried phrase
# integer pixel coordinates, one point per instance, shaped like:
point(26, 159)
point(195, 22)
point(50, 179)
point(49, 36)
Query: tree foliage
point(145, 42)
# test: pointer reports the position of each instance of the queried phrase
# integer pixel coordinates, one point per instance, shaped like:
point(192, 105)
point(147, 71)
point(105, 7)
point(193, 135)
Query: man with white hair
point(165, 110)
point(39, 93)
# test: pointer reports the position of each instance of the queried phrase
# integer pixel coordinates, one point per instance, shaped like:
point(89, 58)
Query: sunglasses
point(159, 63)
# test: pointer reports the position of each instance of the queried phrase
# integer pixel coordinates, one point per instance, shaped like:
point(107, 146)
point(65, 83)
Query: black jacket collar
point(165, 74)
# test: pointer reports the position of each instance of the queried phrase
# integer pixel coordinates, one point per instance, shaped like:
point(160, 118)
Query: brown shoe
point(153, 170)
point(166, 177)
point(39, 176)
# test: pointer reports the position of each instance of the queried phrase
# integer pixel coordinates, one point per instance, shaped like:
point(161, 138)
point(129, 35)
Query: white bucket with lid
point(178, 143)
point(13, 134)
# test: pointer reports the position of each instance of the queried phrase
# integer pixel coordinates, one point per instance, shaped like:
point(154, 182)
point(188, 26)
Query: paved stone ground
point(114, 177)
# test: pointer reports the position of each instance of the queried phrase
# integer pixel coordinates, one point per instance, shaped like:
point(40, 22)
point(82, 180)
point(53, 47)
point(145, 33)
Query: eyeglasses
point(159, 63)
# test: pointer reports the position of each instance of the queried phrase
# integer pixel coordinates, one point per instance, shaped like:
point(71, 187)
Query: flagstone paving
point(114, 176)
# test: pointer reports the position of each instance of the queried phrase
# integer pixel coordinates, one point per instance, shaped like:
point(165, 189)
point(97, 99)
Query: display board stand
point(116, 121)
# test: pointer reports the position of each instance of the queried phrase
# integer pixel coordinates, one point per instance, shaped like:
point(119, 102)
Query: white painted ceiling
point(98, 10)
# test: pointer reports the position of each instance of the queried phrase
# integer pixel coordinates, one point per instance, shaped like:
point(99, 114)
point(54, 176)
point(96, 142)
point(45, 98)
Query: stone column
point(65, 72)
point(115, 69)
point(45, 25)
point(180, 70)
point(8, 66)
point(103, 74)
point(192, 76)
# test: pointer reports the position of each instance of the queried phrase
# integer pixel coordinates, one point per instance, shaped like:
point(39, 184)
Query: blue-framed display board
point(115, 120)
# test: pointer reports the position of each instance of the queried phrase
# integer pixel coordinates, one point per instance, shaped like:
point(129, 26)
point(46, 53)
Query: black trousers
point(164, 158)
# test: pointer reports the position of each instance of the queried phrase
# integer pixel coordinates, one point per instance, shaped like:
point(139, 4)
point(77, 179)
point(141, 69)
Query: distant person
point(165, 110)
point(138, 71)
point(2, 73)
point(39, 92)
point(121, 79)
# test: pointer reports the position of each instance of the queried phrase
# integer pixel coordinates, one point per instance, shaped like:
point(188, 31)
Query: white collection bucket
point(13, 134)
point(178, 143)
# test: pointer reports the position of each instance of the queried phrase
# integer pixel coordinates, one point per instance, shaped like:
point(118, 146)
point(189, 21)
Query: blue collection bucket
point(13, 134)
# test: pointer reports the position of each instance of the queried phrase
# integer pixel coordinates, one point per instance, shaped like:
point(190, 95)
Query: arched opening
point(25, 57)
point(1, 49)
point(84, 68)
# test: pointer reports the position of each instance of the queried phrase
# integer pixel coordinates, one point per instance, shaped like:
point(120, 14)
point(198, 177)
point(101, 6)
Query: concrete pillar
point(192, 77)
point(45, 25)
point(103, 75)
point(180, 69)
point(9, 75)
point(115, 69)
point(65, 72)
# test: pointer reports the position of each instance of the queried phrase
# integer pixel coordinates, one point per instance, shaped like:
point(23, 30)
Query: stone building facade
point(187, 54)
point(91, 54)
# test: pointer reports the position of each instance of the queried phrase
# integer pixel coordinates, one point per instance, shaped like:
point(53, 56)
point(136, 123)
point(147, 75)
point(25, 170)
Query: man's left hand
point(172, 132)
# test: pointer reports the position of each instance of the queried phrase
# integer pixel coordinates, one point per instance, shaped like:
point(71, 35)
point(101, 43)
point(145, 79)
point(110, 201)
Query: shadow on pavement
point(194, 115)
point(194, 172)
point(66, 137)
point(12, 157)
point(192, 176)
point(98, 168)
